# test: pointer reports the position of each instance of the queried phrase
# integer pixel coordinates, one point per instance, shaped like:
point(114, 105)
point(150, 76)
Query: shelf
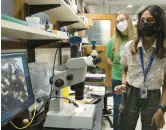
point(15, 30)
point(17, 44)
point(64, 13)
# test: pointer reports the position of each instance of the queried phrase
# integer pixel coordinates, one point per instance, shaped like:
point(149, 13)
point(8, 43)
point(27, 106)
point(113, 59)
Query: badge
point(143, 92)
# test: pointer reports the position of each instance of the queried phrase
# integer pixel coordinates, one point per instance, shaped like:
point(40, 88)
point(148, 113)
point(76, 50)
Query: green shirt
point(116, 65)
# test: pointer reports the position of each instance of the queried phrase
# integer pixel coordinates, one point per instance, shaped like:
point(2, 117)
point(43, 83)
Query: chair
point(107, 112)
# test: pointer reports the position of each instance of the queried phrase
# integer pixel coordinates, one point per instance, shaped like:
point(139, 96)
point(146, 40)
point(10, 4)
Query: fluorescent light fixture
point(129, 5)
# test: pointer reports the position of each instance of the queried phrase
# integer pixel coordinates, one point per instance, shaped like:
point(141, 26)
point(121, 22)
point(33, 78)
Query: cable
point(28, 123)
point(48, 100)
point(36, 123)
point(71, 101)
point(54, 64)
point(53, 70)
point(43, 105)
point(54, 67)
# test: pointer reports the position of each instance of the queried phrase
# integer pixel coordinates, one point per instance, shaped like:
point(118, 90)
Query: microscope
point(70, 115)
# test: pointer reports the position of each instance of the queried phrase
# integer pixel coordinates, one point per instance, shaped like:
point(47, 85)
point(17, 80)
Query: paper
point(96, 90)
point(89, 75)
point(77, 111)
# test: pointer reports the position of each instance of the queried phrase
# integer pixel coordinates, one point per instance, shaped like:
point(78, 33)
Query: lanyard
point(146, 71)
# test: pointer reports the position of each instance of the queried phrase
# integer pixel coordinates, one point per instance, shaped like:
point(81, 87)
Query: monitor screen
point(16, 89)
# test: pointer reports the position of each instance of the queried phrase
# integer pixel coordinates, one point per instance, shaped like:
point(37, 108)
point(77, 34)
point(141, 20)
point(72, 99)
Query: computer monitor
point(16, 89)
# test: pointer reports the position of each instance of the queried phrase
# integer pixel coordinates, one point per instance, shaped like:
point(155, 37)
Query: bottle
point(65, 93)
point(94, 51)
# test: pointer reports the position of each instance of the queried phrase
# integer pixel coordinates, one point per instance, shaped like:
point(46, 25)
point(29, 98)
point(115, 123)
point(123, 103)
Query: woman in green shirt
point(124, 32)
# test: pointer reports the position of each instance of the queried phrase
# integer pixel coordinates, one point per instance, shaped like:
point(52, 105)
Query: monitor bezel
point(31, 99)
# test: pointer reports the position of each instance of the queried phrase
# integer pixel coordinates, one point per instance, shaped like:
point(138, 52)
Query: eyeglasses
point(120, 20)
point(148, 19)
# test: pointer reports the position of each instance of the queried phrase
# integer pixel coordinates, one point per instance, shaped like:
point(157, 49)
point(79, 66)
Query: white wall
point(46, 55)
point(8, 7)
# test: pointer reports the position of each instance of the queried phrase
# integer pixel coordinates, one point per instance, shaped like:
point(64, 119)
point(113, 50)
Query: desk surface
point(97, 121)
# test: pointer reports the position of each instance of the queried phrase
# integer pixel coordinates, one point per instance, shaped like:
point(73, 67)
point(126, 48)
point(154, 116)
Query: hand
point(107, 82)
point(118, 89)
point(158, 119)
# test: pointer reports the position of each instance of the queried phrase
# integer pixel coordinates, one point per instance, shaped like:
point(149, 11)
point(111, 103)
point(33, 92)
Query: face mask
point(147, 29)
point(122, 26)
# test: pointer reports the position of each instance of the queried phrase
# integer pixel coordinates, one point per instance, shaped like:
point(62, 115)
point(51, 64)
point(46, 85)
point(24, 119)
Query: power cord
point(53, 71)
point(28, 123)
point(71, 101)
point(54, 67)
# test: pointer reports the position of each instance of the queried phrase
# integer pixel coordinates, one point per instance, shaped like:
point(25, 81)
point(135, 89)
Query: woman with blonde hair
point(123, 33)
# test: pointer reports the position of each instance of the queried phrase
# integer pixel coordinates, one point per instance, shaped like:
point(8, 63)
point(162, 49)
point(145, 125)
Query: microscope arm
point(73, 72)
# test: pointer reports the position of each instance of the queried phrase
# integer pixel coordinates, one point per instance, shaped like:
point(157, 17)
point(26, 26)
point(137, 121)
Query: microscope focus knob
point(69, 77)
point(59, 83)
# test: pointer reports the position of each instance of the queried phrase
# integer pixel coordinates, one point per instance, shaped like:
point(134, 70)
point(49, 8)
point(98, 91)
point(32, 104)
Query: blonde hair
point(131, 33)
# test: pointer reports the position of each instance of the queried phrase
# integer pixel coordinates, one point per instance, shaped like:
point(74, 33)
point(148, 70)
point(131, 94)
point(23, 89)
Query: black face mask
point(147, 29)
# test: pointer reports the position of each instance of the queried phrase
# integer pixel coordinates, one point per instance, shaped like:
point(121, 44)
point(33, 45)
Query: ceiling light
point(129, 5)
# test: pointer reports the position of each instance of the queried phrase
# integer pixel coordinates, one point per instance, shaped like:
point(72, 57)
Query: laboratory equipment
point(66, 115)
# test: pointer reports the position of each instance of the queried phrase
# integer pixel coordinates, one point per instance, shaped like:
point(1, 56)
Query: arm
point(163, 99)
point(108, 69)
point(109, 61)
point(123, 85)
point(158, 117)
point(124, 74)
point(125, 65)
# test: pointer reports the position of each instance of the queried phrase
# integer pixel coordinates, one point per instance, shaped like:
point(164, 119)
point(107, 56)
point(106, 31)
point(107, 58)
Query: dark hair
point(160, 19)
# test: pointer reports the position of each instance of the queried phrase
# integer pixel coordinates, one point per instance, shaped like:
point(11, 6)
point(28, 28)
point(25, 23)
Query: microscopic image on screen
point(13, 85)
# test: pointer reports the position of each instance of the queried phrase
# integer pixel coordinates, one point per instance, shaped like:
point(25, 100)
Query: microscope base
point(69, 118)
